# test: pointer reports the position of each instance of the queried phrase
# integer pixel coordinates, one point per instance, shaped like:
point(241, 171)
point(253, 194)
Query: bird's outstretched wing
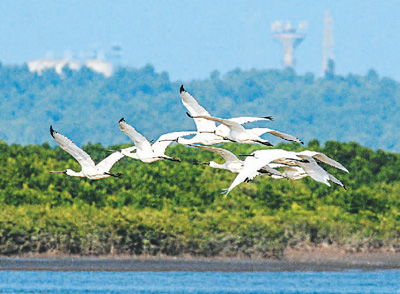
point(138, 139)
point(196, 109)
point(294, 172)
point(324, 158)
point(261, 131)
point(234, 126)
point(67, 145)
point(248, 173)
point(311, 167)
point(227, 155)
point(248, 119)
point(163, 142)
point(336, 181)
point(290, 172)
point(107, 163)
point(253, 164)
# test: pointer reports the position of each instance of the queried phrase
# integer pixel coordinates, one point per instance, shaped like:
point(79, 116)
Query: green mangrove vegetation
point(177, 208)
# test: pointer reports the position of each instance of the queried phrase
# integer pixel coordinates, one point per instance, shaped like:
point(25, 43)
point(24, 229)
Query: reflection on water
point(387, 281)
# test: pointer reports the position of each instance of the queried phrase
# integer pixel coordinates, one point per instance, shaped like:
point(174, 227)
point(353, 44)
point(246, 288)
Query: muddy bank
point(294, 260)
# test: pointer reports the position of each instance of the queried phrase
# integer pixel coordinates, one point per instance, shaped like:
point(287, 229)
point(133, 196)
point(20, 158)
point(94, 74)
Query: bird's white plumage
point(79, 154)
point(165, 140)
point(107, 163)
point(232, 163)
point(237, 132)
point(89, 168)
point(312, 169)
point(138, 139)
point(248, 119)
point(146, 152)
point(290, 172)
point(225, 154)
point(302, 165)
point(295, 165)
point(208, 132)
point(196, 109)
point(255, 162)
point(262, 131)
point(324, 158)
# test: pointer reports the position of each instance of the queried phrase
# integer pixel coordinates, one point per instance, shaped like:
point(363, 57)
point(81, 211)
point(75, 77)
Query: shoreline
point(293, 260)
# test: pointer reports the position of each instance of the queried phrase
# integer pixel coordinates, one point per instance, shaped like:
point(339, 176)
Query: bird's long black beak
point(200, 163)
point(174, 159)
point(169, 140)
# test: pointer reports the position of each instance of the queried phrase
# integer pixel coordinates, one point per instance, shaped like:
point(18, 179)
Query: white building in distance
point(97, 65)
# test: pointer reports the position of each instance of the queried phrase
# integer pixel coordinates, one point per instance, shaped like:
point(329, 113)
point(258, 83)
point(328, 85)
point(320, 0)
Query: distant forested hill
point(86, 106)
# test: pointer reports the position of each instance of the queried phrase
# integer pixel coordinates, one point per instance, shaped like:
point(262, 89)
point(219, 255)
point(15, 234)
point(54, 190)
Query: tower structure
point(290, 38)
point(327, 46)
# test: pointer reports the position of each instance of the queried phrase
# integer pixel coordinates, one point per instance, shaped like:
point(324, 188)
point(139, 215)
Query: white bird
point(297, 173)
point(259, 159)
point(317, 173)
point(145, 151)
point(237, 132)
point(89, 170)
point(232, 163)
point(207, 129)
point(255, 162)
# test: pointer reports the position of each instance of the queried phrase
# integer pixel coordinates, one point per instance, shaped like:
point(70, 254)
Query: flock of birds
point(277, 163)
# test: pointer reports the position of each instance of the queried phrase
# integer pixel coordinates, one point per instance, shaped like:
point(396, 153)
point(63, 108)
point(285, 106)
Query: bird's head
point(70, 172)
point(214, 164)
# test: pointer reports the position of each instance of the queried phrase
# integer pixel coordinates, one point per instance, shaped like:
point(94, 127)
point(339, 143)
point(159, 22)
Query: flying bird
point(232, 163)
point(237, 133)
point(208, 132)
point(145, 151)
point(255, 162)
point(324, 158)
point(303, 165)
point(235, 165)
point(317, 173)
point(89, 169)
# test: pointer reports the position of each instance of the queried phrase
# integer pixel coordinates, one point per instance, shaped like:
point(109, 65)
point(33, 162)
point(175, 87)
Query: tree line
point(86, 106)
point(176, 208)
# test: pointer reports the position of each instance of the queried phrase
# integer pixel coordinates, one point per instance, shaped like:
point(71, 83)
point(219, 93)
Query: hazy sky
point(190, 39)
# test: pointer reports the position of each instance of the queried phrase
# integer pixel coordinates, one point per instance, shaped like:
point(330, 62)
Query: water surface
point(385, 281)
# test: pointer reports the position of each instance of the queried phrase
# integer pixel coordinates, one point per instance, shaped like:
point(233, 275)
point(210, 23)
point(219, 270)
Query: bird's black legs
point(117, 175)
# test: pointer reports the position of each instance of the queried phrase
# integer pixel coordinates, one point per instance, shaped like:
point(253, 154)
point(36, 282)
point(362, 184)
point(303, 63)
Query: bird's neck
point(129, 154)
point(72, 173)
point(217, 165)
point(185, 141)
